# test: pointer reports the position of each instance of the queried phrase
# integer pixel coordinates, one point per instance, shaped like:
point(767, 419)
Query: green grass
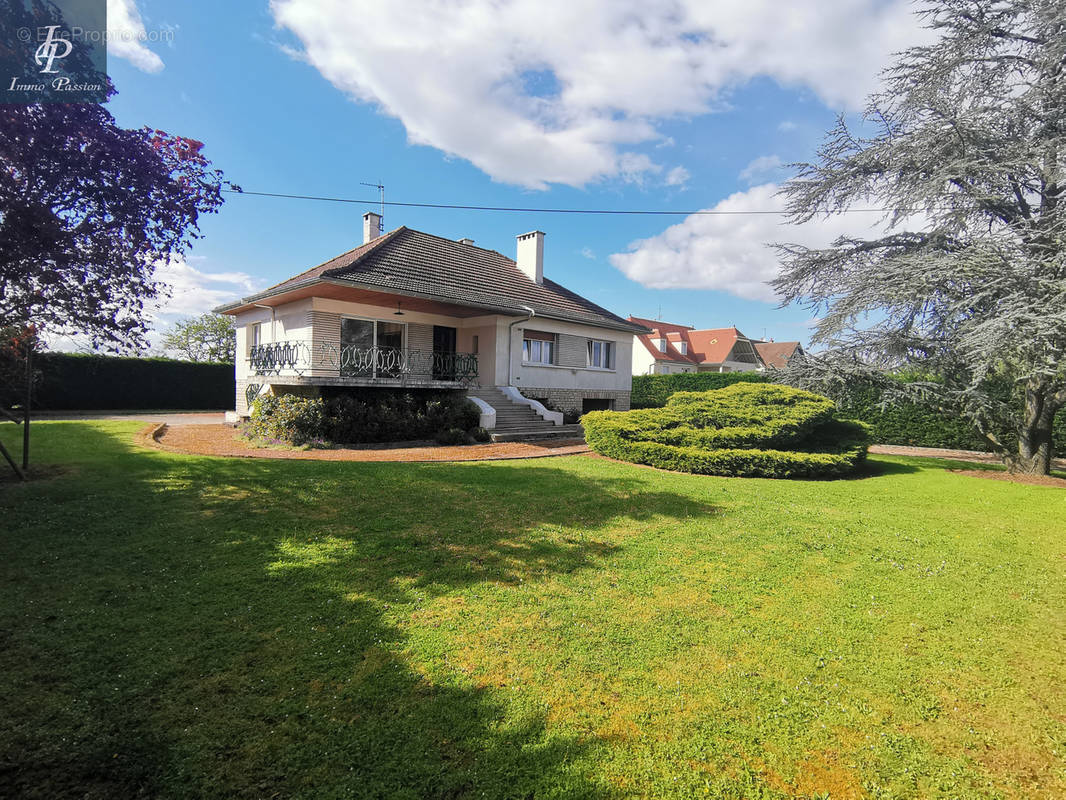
point(178, 626)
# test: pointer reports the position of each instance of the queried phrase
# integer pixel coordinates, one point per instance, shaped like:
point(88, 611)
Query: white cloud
point(729, 252)
point(760, 169)
point(193, 292)
point(787, 126)
point(678, 176)
point(126, 36)
point(536, 92)
point(588, 253)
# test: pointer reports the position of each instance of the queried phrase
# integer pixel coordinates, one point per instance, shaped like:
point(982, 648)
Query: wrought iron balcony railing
point(348, 361)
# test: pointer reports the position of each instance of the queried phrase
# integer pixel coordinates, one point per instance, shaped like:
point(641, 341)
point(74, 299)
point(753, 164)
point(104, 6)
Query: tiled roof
point(713, 346)
point(671, 353)
point(708, 346)
point(406, 260)
point(659, 325)
point(777, 354)
point(334, 263)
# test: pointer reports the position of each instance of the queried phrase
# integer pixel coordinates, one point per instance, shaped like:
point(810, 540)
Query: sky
point(588, 104)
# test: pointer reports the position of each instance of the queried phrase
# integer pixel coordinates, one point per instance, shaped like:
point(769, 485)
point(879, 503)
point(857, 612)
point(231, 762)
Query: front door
point(443, 353)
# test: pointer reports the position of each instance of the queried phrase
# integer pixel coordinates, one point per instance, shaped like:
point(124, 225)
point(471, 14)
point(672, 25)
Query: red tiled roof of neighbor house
point(670, 354)
point(659, 325)
point(707, 346)
point(777, 354)
point(713, 346)
point(409, 261)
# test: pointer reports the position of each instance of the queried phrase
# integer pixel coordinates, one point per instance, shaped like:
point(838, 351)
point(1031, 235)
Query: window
point(473, 345)
point(683, 348)
point(371, 348)
point(255, 334)
point(600, 354)
point(538, 347)
point(661, 344)
point(537, 351)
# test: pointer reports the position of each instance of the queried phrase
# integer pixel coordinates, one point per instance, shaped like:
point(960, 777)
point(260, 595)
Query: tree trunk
point(1035, 443)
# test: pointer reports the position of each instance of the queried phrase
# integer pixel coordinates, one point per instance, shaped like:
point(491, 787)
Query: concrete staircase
point(516, 422)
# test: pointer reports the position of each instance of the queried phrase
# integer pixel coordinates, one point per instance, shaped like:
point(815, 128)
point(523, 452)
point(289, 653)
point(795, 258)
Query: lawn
point(176, 626)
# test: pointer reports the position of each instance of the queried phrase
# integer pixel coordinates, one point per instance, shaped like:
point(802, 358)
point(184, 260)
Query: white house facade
point(408, 309)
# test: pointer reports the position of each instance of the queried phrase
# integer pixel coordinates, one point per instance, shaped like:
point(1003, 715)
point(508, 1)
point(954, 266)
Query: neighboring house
point(410, 309)
point(777, 354)
point(671, 348)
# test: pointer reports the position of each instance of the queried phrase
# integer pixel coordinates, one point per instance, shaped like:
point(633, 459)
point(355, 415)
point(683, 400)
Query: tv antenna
point(381, 191)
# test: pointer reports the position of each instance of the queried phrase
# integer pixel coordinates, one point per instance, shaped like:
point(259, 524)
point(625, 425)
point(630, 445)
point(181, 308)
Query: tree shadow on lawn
point(228, 628)
point(878, 467)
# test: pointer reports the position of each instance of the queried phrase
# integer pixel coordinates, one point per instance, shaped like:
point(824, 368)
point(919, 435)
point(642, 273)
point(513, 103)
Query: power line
point(639, 212)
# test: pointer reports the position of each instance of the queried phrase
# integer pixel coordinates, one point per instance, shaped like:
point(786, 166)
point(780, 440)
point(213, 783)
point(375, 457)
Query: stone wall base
point(569, 401)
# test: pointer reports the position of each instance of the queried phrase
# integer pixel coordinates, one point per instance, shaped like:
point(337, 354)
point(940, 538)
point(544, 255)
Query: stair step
point(556, 432)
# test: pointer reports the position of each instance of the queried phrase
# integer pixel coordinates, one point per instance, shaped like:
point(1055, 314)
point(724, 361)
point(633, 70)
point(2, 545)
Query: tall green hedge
point(72, 381)
point(899, 423)
point(743, 430)
point(652, 391)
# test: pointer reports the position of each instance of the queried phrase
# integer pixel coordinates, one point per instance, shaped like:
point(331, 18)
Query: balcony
point(350, 365)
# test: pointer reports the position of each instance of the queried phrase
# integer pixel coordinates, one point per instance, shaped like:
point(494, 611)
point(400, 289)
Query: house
point(670, 348)
point(414, 310)
point(776, 355)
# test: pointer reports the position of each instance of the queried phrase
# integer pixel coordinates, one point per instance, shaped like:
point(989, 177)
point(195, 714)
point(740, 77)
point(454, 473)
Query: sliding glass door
point(371, 348)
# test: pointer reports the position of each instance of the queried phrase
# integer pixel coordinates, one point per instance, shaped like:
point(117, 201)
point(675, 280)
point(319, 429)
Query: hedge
point(743, 430)
point(73, 381)
point(652, 391)
point(900, 423)
point(905, 423)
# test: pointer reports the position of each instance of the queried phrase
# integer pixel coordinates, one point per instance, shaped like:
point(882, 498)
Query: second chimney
point(371, 226)
point(531, 255)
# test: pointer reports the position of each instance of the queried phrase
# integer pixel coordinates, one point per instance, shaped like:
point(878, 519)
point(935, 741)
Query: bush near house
point(366, 416)
point(288, 418)
point(745, 430)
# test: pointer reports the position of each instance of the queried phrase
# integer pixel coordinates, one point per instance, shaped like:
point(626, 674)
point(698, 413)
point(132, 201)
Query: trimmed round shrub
point(744, 430)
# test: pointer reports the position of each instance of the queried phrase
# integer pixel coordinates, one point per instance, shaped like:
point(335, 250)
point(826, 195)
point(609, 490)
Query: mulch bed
point(221, 440)
point(997, 475)
point(978, 458)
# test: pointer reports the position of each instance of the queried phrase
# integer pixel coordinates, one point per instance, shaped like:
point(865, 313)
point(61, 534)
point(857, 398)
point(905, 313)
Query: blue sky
point(583, 104)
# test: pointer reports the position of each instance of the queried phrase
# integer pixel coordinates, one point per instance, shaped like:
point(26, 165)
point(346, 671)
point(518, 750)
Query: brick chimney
point(530, 257)
point(371, 226)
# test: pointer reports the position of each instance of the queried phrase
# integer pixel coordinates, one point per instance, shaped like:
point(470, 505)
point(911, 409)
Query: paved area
point(169, 417)
point(221, 440)
point(959, 455)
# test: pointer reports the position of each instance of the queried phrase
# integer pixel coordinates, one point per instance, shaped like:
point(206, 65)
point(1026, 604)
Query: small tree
point(208, 337)
point(87, 211)
point(969, 135)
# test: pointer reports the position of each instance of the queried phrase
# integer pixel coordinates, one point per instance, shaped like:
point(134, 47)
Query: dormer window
point(682, 348)
point(661, 344)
